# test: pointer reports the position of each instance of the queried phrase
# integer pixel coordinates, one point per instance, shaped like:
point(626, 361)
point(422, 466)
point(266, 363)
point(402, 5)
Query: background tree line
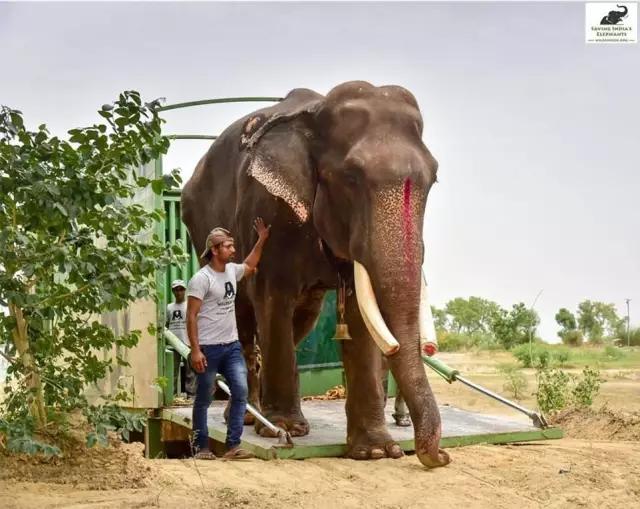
point(477, 322)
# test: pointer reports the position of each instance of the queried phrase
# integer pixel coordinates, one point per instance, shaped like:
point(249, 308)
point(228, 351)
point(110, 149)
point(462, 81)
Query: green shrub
point(573, 338)
point(553, 389)
point(111, 417)
point(516, 382)
point(543, 359)
point(561, 357)
point(532, 356)
point(455, 341)
point(586, 388)
point(558, 389)
point(452, 342)
point(18, 437)
point(525, 355)
point(613, 353)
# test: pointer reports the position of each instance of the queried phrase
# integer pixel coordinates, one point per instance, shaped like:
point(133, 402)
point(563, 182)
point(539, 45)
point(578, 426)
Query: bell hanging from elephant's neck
point(342, 330)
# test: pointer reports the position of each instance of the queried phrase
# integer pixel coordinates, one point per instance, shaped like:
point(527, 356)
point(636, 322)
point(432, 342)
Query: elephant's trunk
point(623, 14)
point(399, 307)
point(393, 263)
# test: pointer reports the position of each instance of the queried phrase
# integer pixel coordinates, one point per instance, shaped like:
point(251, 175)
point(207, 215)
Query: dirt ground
point(597, 465)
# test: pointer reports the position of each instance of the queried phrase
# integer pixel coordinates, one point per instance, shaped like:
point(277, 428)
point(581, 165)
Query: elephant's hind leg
point(280, 393)
point(367, 433)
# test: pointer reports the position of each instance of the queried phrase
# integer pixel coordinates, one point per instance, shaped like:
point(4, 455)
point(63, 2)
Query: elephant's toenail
point(377, 453)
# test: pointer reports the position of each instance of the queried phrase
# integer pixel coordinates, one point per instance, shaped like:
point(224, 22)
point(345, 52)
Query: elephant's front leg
point(280, 393)
point(367, 434)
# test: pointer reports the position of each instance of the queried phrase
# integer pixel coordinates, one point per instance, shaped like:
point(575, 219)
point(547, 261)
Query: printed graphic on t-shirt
point(226, 303)
point(177, 320)
point(217, 291)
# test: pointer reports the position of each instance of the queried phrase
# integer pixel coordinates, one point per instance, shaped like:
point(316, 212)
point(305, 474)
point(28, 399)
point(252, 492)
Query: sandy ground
point(598, 465)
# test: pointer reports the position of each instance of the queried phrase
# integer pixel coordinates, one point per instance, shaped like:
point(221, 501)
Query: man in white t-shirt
point(213, 335)
point(176, 322)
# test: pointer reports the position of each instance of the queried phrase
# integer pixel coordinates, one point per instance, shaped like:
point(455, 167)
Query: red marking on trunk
point(407, 224)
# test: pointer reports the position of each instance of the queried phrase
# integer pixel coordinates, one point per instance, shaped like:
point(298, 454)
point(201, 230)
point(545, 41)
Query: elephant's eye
point(350, 178)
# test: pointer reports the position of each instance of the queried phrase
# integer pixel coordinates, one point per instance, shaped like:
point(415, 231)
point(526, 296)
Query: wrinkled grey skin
point(340, 177)
point(614, 17)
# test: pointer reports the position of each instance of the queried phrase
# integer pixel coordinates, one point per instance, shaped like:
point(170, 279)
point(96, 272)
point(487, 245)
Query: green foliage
point(74, 244)
point(516, 326)
point(440, 319)
point(613, 353)
point(454, 341)
point(111, 417)
point(572, 337)
point(586, 388)
point(516, 383)
point(472, 315)
point(569, 333)
point(558, 389)
point(553, 390)
point(566, 319)
point(18, 438)
point(561, 357)
point(598, 320)
point(539, 356)
point(633, 337)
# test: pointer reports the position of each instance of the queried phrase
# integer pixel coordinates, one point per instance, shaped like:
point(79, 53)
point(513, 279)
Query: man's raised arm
point(251, 261)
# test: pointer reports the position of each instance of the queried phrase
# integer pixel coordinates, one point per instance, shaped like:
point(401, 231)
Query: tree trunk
point(21, 341)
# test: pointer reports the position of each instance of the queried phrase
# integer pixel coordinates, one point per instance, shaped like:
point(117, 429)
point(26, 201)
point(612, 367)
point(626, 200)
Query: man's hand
point(261, 229)
point(198, 361)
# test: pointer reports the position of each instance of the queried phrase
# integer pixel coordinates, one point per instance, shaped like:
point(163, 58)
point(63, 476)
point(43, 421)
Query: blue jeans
point(229, 362)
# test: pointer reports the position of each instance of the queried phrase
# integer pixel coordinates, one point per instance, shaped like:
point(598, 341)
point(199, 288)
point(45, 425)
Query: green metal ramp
point(328, 430)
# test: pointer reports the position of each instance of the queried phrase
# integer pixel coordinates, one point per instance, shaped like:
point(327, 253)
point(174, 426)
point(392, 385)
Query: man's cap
point(216, 236)
point(177, 283)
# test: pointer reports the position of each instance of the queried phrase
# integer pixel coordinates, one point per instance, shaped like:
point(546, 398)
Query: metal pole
point(191, 137)
point(218, 101)
point(531, 328)
point(451, 375)
point(628, 324)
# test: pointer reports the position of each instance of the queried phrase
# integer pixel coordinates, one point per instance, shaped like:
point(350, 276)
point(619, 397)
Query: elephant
point(343, 181)
point(614, 17)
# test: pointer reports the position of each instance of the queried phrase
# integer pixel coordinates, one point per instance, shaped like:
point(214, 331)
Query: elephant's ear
point(297, 103)
point(277, 141)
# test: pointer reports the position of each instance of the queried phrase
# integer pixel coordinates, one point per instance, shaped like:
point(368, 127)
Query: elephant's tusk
point(371, 312)
point(427, 328)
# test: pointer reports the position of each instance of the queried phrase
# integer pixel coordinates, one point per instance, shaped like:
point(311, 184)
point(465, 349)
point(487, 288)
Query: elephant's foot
point(402, 420)
point(366, 446)
point(295, 424)
point(440, 458)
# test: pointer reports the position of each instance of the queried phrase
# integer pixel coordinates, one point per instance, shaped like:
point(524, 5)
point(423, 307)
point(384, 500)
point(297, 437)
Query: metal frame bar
point(191, 137)
point(221, 100)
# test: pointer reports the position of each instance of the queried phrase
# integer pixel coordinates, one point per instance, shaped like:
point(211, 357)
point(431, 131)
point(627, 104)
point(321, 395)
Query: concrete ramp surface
point(328, 423)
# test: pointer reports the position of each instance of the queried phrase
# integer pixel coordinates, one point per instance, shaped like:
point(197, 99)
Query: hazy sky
point(536, 133)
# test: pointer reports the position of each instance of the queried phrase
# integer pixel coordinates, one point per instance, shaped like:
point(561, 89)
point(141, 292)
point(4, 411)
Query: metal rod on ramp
point(284, 437)
point(451, 375)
